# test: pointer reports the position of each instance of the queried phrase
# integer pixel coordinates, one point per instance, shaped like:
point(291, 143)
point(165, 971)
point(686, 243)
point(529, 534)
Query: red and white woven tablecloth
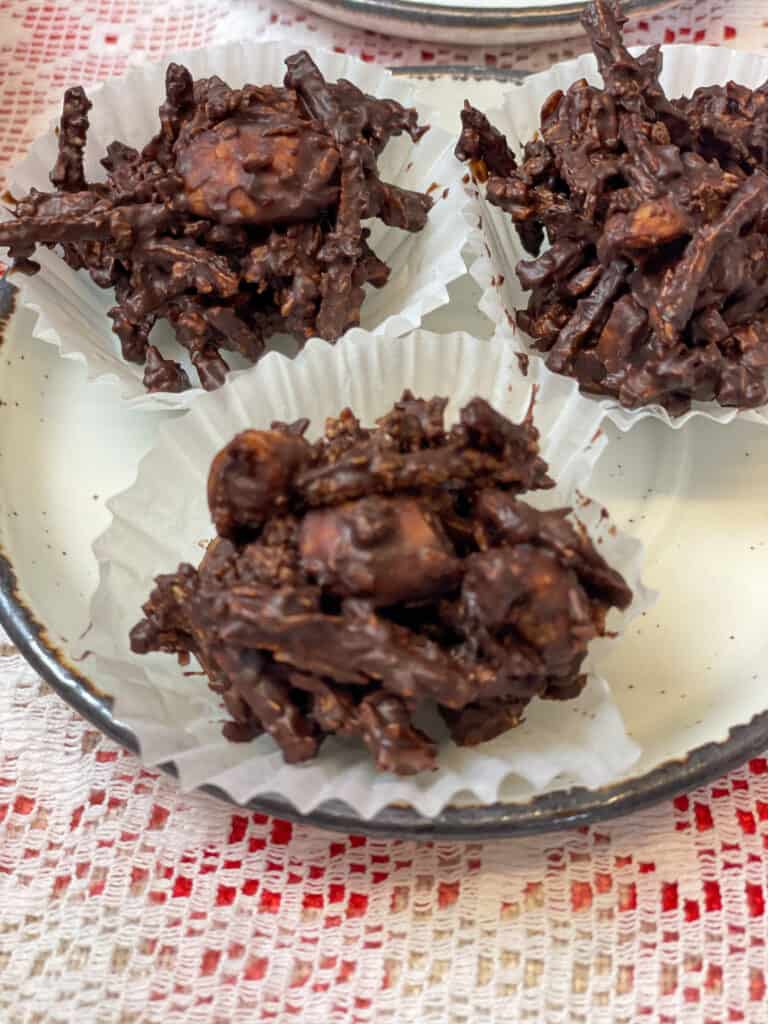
point(122, 900)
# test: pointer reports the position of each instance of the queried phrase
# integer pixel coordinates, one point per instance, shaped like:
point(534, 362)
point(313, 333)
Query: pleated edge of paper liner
point(56, 287)
point(273, 384)
point(686, 67)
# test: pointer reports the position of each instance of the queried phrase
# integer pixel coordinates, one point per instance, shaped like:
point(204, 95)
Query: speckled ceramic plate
point(485, 21)
point(691, 677)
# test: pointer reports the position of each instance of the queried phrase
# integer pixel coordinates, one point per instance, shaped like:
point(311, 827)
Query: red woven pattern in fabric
point(45, 47)
point(124, 901)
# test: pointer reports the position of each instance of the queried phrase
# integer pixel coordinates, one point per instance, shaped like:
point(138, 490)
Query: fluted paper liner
point(163, 520)
point(72, 311)
point(495, 248)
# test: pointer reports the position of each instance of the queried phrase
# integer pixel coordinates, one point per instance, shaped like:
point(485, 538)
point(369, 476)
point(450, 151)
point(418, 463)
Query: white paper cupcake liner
point(72, 311)
point(495, 249)
point(163, 520)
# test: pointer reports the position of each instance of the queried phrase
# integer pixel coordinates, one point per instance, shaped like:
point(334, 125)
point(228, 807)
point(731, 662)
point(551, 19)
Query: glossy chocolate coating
point(242, 218)
point(244, 173)
point(654, 289)
point(358, 577)
point(384, 549)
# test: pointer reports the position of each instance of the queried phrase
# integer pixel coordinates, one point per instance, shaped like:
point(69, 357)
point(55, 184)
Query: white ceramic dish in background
point(485, 21)
point(691, 677)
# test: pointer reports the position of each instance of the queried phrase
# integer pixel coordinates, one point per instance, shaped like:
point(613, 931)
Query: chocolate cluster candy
point(358, 577)
point(242, 218)
point(654, 288)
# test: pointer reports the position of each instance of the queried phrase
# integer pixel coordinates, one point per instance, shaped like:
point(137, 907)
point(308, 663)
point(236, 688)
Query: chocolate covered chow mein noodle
point(241, 219)
point(359, 577)
point(654, 286)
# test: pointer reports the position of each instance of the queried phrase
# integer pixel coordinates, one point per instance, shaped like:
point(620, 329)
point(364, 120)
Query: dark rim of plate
point(566, 808)
point(562, 809)
point(467, 17)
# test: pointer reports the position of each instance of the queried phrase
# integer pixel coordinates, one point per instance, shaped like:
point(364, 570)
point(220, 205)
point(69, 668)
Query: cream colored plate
point(688, 673)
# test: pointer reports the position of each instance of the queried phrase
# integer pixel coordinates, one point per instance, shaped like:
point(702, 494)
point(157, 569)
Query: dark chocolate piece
point(656, 212)
point(357, 577)
point(68, 174)
point(242, 218)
